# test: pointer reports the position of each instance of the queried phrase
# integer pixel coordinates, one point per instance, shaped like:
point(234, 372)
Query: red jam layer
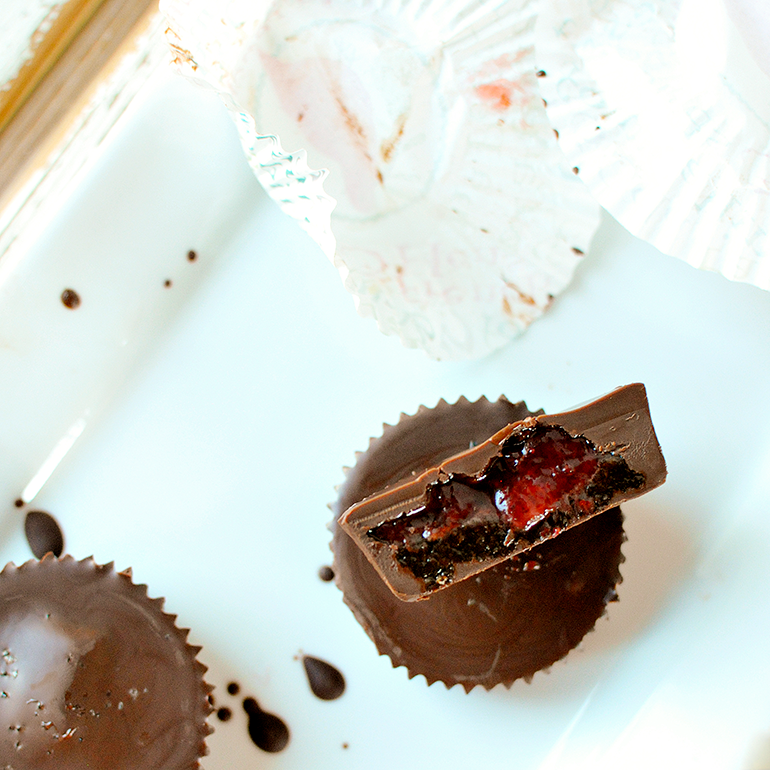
point(543, 480)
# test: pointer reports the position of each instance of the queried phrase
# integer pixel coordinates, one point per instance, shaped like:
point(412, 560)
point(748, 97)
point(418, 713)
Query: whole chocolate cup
point(503, 624)
point(94, 674)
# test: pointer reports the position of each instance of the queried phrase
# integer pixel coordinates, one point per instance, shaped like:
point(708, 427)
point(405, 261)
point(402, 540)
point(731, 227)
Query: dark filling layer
point(543, 480)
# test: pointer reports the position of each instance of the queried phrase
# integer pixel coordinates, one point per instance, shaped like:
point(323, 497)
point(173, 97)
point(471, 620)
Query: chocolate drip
point(326, 682)
point(268, 731)
point(43, 534)
point(70, 299)
point(326, 574)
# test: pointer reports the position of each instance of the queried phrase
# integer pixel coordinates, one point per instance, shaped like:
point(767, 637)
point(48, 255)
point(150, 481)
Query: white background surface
point(219, 413)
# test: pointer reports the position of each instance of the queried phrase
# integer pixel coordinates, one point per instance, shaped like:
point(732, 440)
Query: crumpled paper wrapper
point(411, 142)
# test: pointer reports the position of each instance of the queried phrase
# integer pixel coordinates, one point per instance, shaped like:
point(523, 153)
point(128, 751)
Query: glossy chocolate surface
point(94, 674)
point(476, 508)
point(505, 623)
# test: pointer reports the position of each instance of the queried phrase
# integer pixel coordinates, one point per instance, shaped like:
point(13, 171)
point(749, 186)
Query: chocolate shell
point(505, 623)
point(94, 674)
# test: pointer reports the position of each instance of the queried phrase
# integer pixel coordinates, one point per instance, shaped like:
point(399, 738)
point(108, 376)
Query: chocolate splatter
point(18, 502)
point(192, 255)
point(326, 573)
point(326, 682)
point(233, 688)
point(167, 283)
point(224, 714)
point(268, 731)
point(70, 298)
point(43, 534)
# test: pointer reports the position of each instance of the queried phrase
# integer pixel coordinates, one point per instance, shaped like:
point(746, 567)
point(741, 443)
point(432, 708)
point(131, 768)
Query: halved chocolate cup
point(530, 481)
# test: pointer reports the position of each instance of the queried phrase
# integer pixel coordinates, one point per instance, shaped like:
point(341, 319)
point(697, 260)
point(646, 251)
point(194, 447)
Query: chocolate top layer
point(94, 674)
point(523, 485)
point(507, 622)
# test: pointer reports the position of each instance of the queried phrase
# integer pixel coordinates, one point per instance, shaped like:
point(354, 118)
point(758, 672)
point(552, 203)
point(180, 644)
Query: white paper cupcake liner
point(665, 112)
point(418, 153)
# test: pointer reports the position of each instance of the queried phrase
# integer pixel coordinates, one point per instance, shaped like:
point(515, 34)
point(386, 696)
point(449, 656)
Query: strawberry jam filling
point(542, 480)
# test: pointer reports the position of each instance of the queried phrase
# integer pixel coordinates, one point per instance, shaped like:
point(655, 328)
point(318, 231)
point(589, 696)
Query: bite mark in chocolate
point(524, 485)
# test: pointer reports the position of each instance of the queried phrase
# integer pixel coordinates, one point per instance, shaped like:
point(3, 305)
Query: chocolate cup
point(503, 624)
point(94, 673)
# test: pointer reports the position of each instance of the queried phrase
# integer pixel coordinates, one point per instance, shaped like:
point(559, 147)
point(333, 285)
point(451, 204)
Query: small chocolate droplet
point(233, 688)
point(70, 298)
point(192, 255)
point(540, 73)
point(43, 534)
point(167, 283)
point(346, 745)
point(326, 573)
point(325, 680)
point(578, 251)
point(224, 714)
point(18, 502)
point(268, 731)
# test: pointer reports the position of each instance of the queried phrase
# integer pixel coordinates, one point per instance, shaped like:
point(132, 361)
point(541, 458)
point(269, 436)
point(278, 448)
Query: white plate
point(231, 400)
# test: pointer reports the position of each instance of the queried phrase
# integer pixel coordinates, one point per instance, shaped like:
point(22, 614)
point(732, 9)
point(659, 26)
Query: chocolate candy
point(326, 681)
point(94, 674)
point(530, 481)
point(504, 623)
